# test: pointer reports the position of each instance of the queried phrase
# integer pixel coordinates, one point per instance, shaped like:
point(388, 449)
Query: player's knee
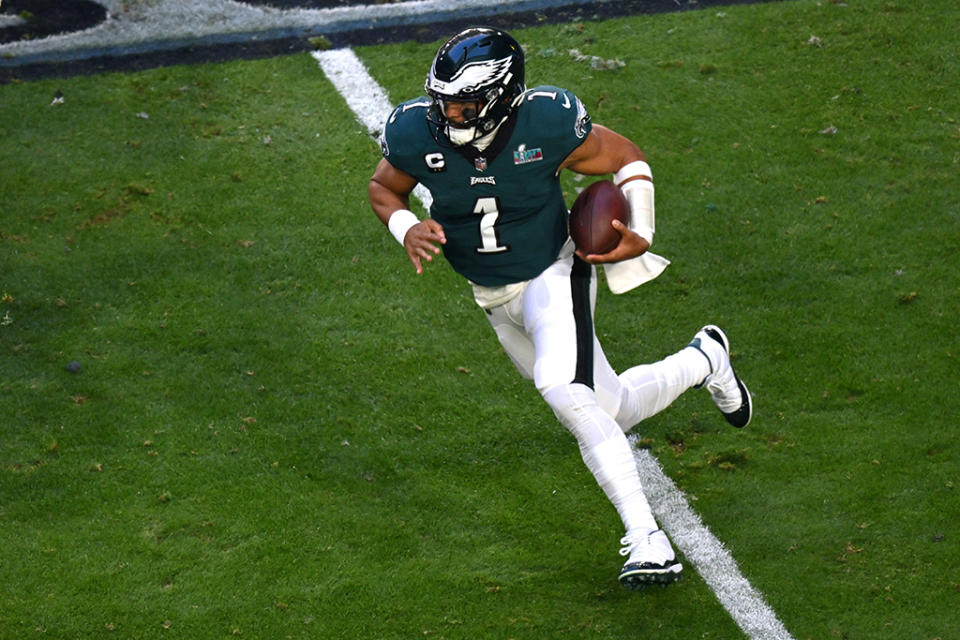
point(576, 406)
point(572, 403)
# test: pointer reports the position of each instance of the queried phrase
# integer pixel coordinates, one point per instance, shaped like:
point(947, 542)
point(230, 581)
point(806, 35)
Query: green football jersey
point(502, 209)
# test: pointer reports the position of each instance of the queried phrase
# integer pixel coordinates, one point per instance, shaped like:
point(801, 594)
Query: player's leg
point(705, 362)
point(554, 367)
point(648, 389)
point(507, 321)
point(564, 345)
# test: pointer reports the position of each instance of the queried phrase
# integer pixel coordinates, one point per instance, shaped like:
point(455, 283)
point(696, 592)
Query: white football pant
point(548, 333)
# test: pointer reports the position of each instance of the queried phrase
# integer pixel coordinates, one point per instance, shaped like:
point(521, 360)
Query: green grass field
point(279, 431)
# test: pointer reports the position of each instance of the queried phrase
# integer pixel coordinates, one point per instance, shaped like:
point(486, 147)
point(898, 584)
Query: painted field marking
point(366, 98)
point(705, 551)
point(746, 605)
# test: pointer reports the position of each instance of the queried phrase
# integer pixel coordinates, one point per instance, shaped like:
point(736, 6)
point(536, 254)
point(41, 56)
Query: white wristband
point(632, 170)
point(400, 222)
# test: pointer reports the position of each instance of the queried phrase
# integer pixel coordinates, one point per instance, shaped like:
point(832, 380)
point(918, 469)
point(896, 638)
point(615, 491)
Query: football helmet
point(476, 75)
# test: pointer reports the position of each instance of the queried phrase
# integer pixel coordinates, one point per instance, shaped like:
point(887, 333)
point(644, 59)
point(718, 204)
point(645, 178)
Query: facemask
point(460, 136)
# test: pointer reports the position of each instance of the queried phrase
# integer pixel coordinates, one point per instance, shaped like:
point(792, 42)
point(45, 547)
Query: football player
point(490, 151)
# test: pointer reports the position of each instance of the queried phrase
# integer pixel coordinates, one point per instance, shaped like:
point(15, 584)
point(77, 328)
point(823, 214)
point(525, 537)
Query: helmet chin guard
point(481, 65)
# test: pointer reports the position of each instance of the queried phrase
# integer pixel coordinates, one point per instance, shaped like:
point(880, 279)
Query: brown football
point(592, 216)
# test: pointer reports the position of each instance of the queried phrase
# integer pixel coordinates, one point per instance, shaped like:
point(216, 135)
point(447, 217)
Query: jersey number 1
point(489, 211)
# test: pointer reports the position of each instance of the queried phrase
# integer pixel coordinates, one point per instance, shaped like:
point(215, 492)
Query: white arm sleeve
point(636, 183)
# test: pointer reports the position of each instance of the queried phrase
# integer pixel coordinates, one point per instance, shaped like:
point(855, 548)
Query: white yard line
point(371, 105)
point(711, 559)
point(366, 98)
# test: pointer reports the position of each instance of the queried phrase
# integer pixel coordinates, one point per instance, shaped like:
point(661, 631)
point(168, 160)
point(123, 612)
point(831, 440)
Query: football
point(592, 215)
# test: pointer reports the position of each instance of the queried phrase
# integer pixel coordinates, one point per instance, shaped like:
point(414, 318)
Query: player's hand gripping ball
point(592, 215)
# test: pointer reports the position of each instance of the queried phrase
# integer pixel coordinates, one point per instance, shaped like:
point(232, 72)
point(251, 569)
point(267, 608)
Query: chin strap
point(483, 142)
point(460, 137)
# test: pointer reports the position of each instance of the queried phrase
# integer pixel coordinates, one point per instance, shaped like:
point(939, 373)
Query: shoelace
point(633, 541)
point(725, 391)
point(716, 386)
